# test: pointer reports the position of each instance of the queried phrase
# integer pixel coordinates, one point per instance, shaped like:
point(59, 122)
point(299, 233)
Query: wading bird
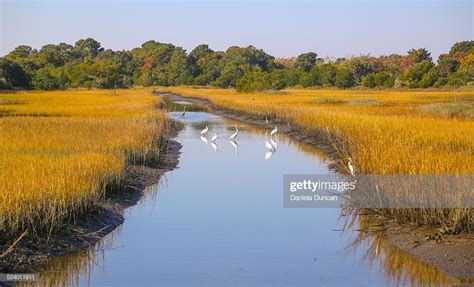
point(184, 112)
point(214, 138)
point(204, 131)
point(234, 135)
point(351, 167)
point(266, 120)
point(274, 131)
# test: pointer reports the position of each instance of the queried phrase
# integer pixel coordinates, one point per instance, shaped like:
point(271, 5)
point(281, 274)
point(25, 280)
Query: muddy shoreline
point(29, 256)
point(453, 256)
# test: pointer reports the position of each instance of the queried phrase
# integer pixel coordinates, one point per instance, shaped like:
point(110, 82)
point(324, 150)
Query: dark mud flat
point(29, 255)
point(454, 255)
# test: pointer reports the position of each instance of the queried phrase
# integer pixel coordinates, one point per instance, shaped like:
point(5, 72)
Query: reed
point(60, 151)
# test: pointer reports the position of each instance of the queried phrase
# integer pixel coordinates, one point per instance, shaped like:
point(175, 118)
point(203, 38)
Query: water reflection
point(214, 146)
point(204, 139)
point(274, 143)
point(269, 154)
point(401, 268)
point(235, 145)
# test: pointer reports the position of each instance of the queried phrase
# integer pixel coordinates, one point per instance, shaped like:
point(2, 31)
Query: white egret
point(204, 139)
point(274, 131)
point(214, 138)
point(269, 146)
point(184, 112)
point(204, 131)
point(234, 135)
point(266, 120)
point(351, 167)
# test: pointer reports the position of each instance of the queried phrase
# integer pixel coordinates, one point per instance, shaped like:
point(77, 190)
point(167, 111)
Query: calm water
point(218, 220)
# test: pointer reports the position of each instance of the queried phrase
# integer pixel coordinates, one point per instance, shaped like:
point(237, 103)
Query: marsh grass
point(329, 101)
point(390, 137)
point(56, 166)
point(365, 102)
point(450, 110)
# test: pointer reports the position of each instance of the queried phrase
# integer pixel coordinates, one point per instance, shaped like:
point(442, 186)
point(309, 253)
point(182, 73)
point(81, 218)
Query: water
point(218, 220)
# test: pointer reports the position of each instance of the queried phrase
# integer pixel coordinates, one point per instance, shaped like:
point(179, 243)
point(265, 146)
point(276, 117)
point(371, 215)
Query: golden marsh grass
point(59, 150)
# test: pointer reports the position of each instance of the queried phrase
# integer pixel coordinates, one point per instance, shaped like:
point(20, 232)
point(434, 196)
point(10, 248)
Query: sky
point(282, 28)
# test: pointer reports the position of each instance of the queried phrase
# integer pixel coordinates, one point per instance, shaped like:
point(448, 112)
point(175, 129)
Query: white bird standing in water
point(351, 167)
point(234, 135)
point(214, 138)
point(204, 131)
point(269, 146)
point(274, 131)
point(184, 112)
point(266, 120)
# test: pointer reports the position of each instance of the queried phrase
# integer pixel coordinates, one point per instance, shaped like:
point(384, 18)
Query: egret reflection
point(214, 146)
point(269, 154)
point(204, 139)
point(235, 145)
point(269, 146)
point(274, 143)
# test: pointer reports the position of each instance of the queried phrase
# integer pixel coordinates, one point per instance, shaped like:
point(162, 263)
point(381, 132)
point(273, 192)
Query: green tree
point(49, 78)
point(344, 78)
point(12, 75)
point(415, 73)
point(368, 81)
point(229, 75)
point(419, 55)
point(252, 81)
point(306, 61)
point(429, 78)
point(328, 74)
point(311, 78)
point(360, 66)
point(88, 48)
point(278, 79)
point(21, 52)
point(462, 48)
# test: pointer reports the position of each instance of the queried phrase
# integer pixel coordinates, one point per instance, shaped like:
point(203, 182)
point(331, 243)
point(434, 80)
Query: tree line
point(87, 64)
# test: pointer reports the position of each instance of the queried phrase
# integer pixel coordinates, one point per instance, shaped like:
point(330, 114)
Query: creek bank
point(29, 255)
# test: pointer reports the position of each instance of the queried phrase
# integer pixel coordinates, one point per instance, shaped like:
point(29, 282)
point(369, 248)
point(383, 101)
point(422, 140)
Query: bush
point(253, 81)
point(344, 78)
point(49, 78)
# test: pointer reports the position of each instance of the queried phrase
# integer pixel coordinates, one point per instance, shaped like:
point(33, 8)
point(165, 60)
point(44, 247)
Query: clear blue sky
point(281, 28)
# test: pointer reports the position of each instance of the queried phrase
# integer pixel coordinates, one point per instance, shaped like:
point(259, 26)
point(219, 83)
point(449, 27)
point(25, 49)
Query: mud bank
point(453, 255)
point(28, 255)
